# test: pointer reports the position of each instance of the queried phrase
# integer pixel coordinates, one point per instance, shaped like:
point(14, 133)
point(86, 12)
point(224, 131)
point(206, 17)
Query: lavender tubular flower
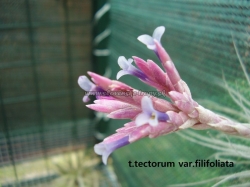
point(107, 147)
point(161, 53)
point(129, 134)
point(149, 114)
point(156, 77)
point(128, 68)
point(154, 43)
point(86, 85)
point(91, 88)
point(149, 40)
point(143, 66)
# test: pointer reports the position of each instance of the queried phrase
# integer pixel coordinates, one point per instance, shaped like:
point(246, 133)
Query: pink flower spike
point(153, 77)
point(101, 97)
point(161, 53)
point(114, 104)
point(126, 129)
point(172, 72)
point(100, 80)
point(185, 103)
point(105, 148)
point(100, 108)
point(125, 113)
point(149, 114)
point(162, 128)
point(115, 109)
point(159, 75)
point(119, 86)
point(143, 66)
point(130, 124)
point(149, 41)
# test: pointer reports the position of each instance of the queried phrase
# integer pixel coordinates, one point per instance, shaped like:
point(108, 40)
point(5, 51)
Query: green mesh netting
point(44, 47)
point(199, 38)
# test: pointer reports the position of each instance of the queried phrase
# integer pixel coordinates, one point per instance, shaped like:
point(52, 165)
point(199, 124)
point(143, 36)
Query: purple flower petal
point(153, 121)
point(130, 60)
point(124, 63)
point(121, 73)
point(99, 148)
point(85, 83)
point(149, 114)
point(128, 68)
point(106, 148)
point(158, 32)
point(142, 119)
point(147, 105)
point(147, 40)
point(85, 98)
point(105, 157)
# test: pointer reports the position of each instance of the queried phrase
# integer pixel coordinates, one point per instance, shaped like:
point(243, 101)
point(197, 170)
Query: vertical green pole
point(6, 131)
point(70, 72)
point(100, 52)
point(36, 80)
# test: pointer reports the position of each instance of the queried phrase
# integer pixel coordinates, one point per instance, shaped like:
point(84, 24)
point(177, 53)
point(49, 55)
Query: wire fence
point(45, 47)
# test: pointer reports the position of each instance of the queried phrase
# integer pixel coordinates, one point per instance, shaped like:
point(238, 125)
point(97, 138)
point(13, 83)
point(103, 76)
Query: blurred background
point(46, 132)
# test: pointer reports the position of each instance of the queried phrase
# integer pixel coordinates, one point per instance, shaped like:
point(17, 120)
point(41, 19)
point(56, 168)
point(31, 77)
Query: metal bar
point(24, 63)
point(7, 134)
point(70, 70)
point(28, 98)
point(42, 25)
point(100, 24)
point(35, 75)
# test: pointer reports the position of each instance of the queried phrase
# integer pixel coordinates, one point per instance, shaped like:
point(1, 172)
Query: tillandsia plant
point(227, 148)
point(150, 116)
point(78, 169)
